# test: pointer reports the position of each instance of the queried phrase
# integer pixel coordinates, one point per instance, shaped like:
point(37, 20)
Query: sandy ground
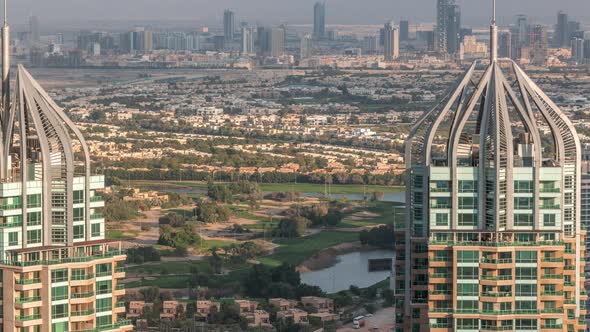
point(382, 321)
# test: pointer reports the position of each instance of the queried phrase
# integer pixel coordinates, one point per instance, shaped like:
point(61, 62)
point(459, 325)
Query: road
point(382, 321)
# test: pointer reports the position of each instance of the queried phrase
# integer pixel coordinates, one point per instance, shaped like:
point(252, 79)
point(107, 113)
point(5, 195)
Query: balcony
point(552, 276)
point(14, 224)
point(552, 311)
point(27, 281)
point(82, 277)
point(28, 299)
point(28, 318)
point(104, 274)
point(81, 315)
point(82, 295)
point(494, 294)
point(549, 190)
point(96, 199)
point(556, 293)
point(550, 207)
point(552, 259)
point(97, 216)
point(496, 261)
point(552, 326)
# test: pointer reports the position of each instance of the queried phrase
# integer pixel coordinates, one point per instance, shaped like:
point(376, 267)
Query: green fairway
point(295, 251)
point(385, 210)
point(282, 187)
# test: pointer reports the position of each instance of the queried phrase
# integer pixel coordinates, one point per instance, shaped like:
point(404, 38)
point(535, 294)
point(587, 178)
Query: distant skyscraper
point(370, 44)
point(247, 41)
point(522, 27)
point(561, 38)
point(263, 41)
point(448, 26)
point(229, 25)
point(577, 45)
point(505, 44)
point(319, 20)
point(277, 41)
point(539, 44)
point(454, 29)
point(34, 29)
point(306, 47)
point(391, 46)
point(404, 30)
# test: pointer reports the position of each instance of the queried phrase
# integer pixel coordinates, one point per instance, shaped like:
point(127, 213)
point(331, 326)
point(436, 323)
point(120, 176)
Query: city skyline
point(338, 12)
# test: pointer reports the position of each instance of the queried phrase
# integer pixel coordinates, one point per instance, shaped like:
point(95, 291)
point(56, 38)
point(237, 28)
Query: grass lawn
point(385, 210)
point(282, 187)
point(169, 267)
point(295, 251)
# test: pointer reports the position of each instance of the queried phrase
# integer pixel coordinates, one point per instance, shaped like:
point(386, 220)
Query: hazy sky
point(284, 11)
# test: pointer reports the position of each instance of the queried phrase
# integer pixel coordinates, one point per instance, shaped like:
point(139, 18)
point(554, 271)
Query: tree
point(291, 227)
point(211, 212)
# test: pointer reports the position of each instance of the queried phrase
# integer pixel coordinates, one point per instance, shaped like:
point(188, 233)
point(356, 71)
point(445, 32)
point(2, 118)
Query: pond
point(351, 269)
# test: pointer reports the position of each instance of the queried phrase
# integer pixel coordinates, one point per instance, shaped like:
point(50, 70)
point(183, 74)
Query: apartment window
point(13, 238)
point(34, 236)
point(467, 324)
point(467, 272)
point(104, 320)
point(34, 201)
point(549, 220)
point(467, 186)
point(442, 219)
point(34, 218)
point(58, 235)
point(526, 290)
point(78, 214)
point(59, 311)
point(104, 287)
point(59, 293)
point(95, 230)
point(468, 256)
point(104, 304)
point(467, 305)
point(78, 231)
point(467, 203)
point(526, 273)
point(467, 289)
point(60, 327)
point(59, 275)
point(467, 219)
point(523, 203)
point(526, 324)
point(526, 305)
point(523, 220)
point(505, 306)
point(78, 196)
point(523, 186)
point(103, 269)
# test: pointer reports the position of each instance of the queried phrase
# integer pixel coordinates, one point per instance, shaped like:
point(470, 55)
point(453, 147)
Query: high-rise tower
point(493, 238)
point(448, 26)
point(319, 20)
point(229, 25)
point(57, 272)
point(391, 42)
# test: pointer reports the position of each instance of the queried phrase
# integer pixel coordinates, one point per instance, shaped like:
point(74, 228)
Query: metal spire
point(493, 35)
point(5, 64)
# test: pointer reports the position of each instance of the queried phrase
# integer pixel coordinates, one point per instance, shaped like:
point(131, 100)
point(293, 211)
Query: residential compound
point(58, 271)
point(494, 239)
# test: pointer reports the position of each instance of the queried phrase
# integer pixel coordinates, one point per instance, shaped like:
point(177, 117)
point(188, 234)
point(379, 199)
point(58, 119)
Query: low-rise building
point(204, 308)
point(297, 316)
point(258, 318)
point(169, 309)
point(319, 304)
point(136, 308)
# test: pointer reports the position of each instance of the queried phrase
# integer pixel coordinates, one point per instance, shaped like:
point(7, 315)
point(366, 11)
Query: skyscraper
point(505, 44)
point(453, 29)
point(306, 47)
point(539, 43)
point(493, 238)
point(277, 41)
point(577, 47)
point(391, 42)
point(34, 30)
point(247, 41)
point(448, 26)
point(404, 30)
point(319, 20)
point(229, 25)
point(59, 273)
point(561, 30)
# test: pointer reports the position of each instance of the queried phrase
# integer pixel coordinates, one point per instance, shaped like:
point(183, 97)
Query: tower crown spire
point(493, 35)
